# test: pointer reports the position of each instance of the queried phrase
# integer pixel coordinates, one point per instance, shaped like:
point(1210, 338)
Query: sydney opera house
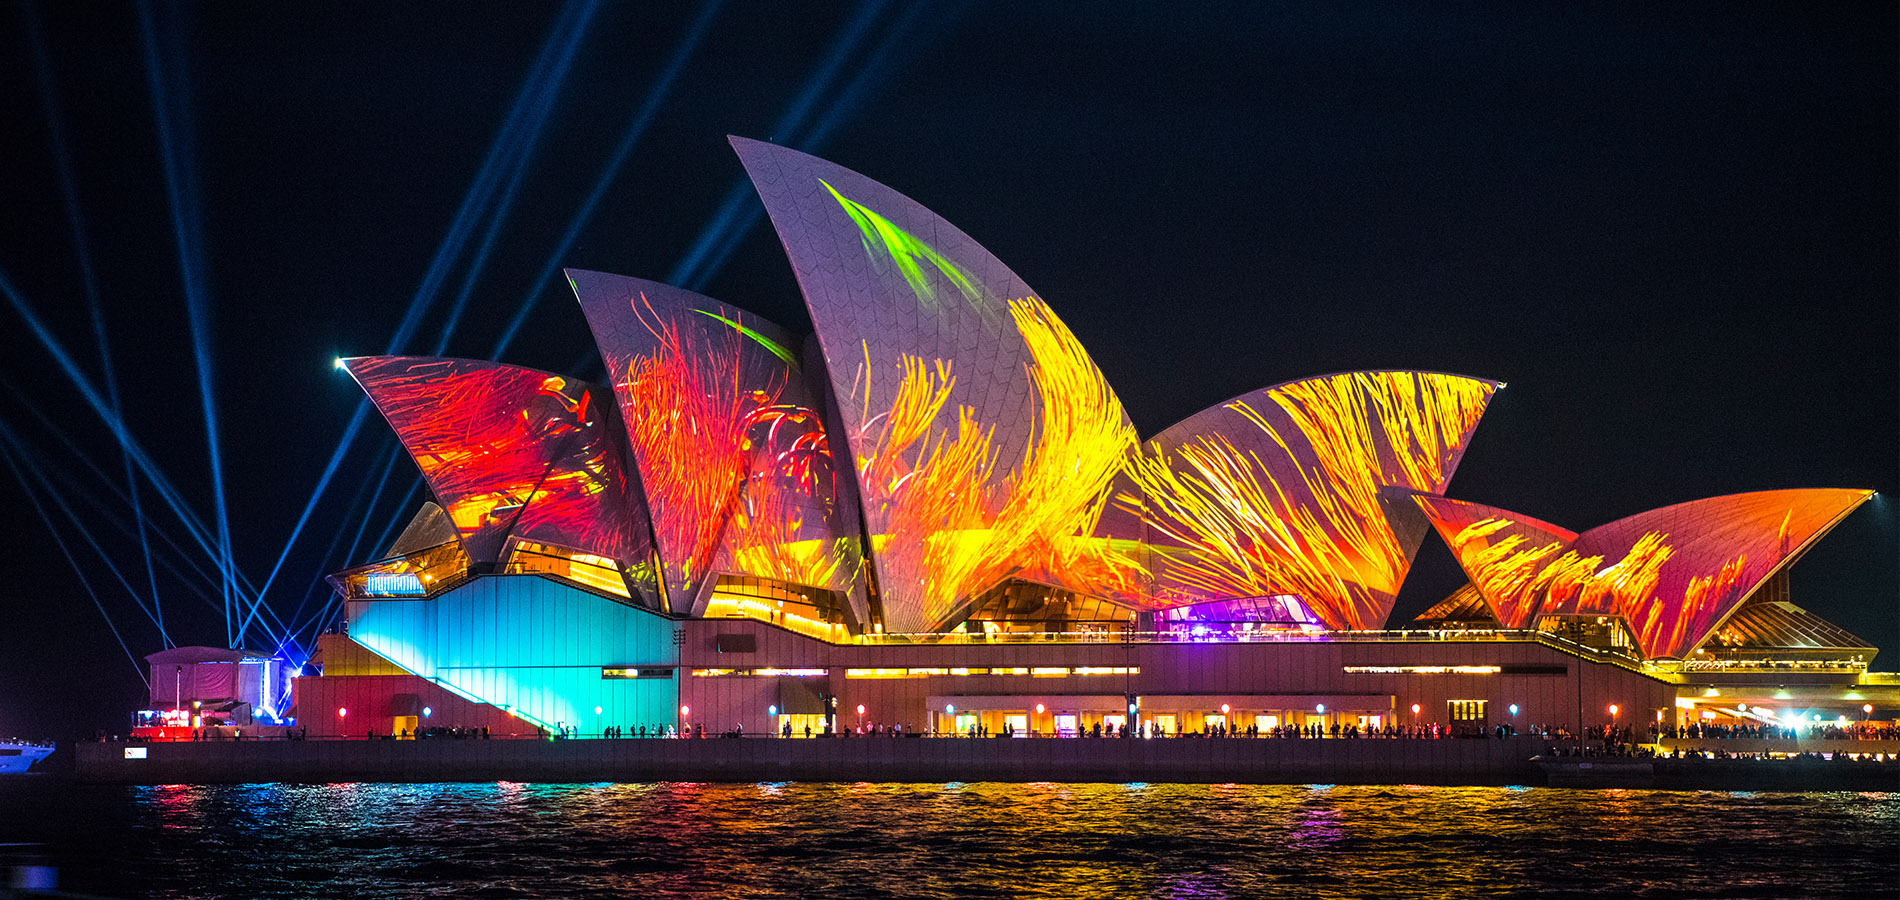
point(934, 513)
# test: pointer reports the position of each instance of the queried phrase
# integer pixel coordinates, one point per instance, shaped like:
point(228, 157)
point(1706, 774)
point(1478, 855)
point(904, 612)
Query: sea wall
point(1487, 761)
point(1686, 774)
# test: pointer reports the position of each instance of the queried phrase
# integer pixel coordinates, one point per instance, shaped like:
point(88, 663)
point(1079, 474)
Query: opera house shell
point(937, 495)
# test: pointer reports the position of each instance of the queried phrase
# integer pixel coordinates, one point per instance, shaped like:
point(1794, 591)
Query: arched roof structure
point(982, 435)
point(1502, 552)
point(1674, 573)
point(1285, 490)
point(511, 452)
point(729, 442)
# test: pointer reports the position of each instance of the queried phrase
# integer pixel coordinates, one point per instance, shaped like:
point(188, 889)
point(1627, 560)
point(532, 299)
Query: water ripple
point(954, 840)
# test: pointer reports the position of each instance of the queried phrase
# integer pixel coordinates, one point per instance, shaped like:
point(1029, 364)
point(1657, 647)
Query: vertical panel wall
point(535, 647)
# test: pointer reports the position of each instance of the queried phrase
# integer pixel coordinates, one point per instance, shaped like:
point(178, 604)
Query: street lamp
point(860, 718)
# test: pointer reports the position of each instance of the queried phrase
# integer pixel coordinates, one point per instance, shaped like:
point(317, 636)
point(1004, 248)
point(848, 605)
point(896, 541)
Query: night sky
point(1671, 228)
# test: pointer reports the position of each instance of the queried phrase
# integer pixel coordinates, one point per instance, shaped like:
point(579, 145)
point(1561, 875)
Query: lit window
point(1423, 670)
point(877, 673)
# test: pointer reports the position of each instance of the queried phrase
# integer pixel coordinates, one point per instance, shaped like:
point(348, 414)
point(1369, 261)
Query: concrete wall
point(385, 703)
point(532, 646)
point(1475, 761)
point(537, 648)
point(1290, 680)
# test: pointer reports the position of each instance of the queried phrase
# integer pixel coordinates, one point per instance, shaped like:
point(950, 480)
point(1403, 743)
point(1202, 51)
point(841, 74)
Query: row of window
point(1031, 671)
point(616, 673)
point(1522, 669)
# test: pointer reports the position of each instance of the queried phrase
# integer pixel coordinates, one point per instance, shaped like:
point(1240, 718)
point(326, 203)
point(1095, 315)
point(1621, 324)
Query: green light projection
point(773, 346)
point(905, 250)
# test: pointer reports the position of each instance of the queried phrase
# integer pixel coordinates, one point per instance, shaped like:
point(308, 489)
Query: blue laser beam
point(21, 455)
point(536, 124)
point(636, 128)
point(358, 510)
point(88, 275)
point(171, 108)
point(689, 272)
point(737, 215)
point(477, 199)
point(161, 485)
point(33, 498)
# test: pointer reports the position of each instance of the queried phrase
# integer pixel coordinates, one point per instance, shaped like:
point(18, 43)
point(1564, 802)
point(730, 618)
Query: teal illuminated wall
point(532, 645)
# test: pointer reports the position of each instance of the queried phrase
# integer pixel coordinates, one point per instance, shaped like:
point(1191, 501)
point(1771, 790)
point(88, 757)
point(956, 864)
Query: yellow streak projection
point(1317, 529)
point(955, 522)
point(1509, 574)
point(1522, 583)
point(1705, 598)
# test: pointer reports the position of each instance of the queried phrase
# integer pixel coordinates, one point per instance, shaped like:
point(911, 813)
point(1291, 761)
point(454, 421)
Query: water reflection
point(953, 840)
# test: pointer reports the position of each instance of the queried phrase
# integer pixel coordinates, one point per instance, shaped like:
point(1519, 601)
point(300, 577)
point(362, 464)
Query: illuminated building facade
point(936, 509)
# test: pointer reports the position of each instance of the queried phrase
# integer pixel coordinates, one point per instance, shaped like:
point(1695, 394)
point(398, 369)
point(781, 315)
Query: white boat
point(18, 756)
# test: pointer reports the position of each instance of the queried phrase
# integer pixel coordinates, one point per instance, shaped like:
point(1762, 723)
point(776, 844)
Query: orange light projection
point(1675, 574)
point(1511, 558)
point(734, 460)
point(1279, 491)
point(951, 517)
point(983, 438)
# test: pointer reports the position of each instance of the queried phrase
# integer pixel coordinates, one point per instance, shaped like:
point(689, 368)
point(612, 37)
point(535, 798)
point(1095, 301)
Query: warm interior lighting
point(1424, 670)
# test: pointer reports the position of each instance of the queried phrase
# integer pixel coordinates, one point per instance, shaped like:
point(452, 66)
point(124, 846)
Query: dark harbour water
point(956, 840)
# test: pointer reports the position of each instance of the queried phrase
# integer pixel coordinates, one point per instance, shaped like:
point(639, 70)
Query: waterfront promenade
point(1188, 760)
point(1472, 761)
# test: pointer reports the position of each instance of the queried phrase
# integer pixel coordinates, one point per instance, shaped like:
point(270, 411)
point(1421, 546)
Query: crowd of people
point(1348, 731)
point(1853, 731)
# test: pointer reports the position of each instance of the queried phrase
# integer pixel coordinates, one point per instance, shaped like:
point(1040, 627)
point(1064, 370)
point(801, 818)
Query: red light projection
point(1675, 573)
point(510, 453)
point(734, 459)
point(1280, 491)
